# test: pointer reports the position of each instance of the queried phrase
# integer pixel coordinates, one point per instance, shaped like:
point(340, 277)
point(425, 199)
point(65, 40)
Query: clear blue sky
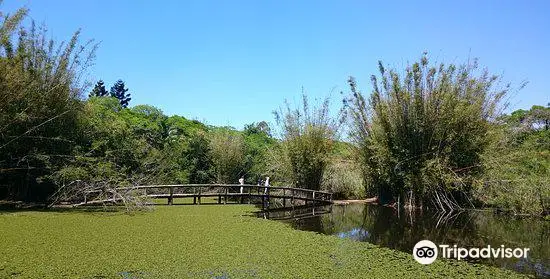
point(234, 62)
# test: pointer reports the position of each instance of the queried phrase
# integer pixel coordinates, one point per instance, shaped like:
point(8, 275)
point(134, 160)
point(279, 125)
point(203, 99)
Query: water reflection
point(402, 229)
point(355, 234)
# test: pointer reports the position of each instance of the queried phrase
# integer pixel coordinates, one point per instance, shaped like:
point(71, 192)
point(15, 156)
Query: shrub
point(421, 133)
point(307, 141)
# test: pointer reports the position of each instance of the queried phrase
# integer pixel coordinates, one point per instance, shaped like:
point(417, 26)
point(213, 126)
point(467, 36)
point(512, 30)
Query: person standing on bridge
point(241, 181)
point(266, 185)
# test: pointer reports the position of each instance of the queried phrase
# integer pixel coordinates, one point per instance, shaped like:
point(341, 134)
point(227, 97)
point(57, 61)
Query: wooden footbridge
point(225, 193)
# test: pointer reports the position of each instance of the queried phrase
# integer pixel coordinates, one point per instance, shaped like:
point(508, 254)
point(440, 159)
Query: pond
point(401, 230)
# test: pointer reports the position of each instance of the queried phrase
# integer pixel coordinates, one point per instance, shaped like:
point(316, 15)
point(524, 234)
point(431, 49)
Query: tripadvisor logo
point(426, 252)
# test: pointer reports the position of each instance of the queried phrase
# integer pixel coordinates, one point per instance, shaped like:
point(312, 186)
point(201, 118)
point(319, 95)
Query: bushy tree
point(517, 164)
point(40, 90)
point(180, 126)
point(125, 146)
point(261, 127)
point(258, 142)
point(227, 149)
point(308, 136)
point(422, 131)
point(199, 159)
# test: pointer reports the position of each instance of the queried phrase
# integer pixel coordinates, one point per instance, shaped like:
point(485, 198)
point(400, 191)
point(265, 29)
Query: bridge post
point(200, 192)
point(226, 190)
point(242, 197)
point(284, 197)
point(171, 197)
point(313, 198)
point(263, 201)
point(249, 194)
point(292, 198)
point(194, 195)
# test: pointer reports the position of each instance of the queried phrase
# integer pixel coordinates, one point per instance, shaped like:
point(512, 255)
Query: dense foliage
point(40, 88)
point(517, 175)
point(421, 134)
point(308, 136)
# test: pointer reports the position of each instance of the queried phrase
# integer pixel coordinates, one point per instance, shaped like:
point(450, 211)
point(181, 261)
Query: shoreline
point(364, 201)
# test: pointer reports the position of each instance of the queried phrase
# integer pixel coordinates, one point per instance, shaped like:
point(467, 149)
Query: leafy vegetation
point(228, 155)
point(197, 242)
point(40, 87)
point(517, 175)
point(308, 136)
point(421, 134)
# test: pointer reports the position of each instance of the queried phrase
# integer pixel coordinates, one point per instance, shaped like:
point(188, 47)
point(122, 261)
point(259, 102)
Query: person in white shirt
point(266, 185)
point(241, 181)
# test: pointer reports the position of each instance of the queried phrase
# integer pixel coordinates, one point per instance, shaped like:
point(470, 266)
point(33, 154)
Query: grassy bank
point(196, 242)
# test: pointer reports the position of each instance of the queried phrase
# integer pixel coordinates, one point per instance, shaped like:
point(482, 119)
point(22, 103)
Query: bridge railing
point(223, 191)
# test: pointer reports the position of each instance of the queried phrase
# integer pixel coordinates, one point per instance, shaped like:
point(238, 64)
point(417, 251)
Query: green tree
point(199, 159)
point(258, 142)
point(308, 137)
point(540, 117)
point(119, 91)
point(99, 90)
point(125, 146)
point(517, 164)
point(227, 149)
point(261, 127)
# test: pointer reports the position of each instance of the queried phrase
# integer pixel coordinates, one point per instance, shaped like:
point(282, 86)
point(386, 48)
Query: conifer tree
point(119, 91)
point(99, 90)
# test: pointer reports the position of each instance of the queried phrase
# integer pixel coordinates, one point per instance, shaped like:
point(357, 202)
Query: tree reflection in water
point(402, 229)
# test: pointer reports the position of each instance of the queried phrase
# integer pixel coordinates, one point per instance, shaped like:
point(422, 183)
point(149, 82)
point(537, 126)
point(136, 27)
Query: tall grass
point(308, 136)
point(422, 131)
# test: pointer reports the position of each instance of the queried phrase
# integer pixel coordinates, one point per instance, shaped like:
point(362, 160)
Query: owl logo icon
point(425, 252)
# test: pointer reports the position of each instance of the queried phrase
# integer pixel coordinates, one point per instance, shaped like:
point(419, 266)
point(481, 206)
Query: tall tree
point(199, 159)
point(119, 91)
point(99, 90)
point(227, 149)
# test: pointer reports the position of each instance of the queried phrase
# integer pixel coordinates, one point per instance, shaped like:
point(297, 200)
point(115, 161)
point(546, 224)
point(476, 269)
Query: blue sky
point(234, 62)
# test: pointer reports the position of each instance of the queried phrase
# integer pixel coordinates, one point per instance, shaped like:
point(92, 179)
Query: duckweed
point(206, 241)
